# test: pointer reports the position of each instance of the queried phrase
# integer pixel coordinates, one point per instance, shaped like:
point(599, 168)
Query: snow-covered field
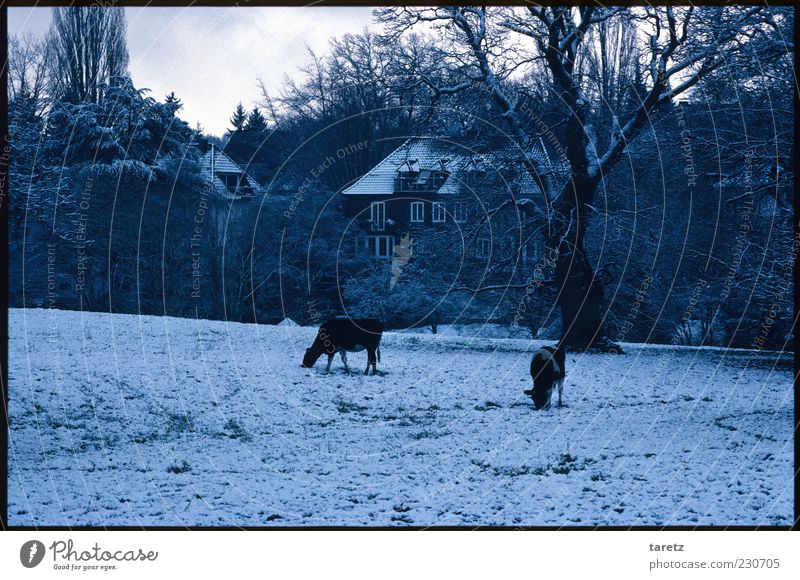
point(139, 420)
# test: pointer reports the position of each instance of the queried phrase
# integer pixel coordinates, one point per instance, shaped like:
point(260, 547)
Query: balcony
point(425, 181)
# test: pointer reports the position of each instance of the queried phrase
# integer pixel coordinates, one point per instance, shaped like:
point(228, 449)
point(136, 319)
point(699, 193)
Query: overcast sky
point(212, 57)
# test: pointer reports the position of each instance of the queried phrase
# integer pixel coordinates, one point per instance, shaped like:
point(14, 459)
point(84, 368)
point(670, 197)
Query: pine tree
point(239, 118)
point(173, 102)
point(256, 121)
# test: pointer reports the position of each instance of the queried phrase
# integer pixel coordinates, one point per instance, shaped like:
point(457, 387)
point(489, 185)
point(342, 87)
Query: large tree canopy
point(609, 71)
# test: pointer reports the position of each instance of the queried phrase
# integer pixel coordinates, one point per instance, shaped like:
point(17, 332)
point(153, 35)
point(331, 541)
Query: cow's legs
point(330, 360)
point(560, 389)
point(371, 360)
point(344, 360)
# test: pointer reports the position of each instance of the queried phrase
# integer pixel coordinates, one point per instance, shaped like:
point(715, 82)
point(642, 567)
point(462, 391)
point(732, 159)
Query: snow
point(139, 420)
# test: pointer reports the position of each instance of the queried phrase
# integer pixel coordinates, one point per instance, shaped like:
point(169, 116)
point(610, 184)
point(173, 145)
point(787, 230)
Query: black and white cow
point(345, 335)
point(547, 371)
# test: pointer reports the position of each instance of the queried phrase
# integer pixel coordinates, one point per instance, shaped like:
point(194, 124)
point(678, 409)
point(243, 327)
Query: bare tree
point(356, 94)
point(679, 47)
point(88, 48)
point(28, 59)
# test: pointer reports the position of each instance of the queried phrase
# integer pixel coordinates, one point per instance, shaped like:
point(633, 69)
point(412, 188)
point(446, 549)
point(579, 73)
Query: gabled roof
point(419, 154)
point(222, 165)
point(221, 162)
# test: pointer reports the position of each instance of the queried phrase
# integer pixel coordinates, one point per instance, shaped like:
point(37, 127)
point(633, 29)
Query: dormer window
point(422, 180)
point(406, 181)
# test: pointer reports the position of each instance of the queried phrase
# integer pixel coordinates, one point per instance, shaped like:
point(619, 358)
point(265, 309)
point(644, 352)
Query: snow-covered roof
point(422, 155)
point(222, 165)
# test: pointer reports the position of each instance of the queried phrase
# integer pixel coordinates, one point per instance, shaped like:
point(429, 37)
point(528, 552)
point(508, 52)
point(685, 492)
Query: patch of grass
point(506, 471)
point(419, 418)
point(718, 423)
point(58, 424)
point(487, 405)
point(598, 477)
point(511, 471)
point(179, 423)
point(346, 407)
point(649, 455)
point(566, 464)
point(182, 468)
point(235, 431)
point(427, 434)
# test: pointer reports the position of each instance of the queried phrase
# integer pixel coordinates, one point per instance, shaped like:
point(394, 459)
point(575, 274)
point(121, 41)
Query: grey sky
point(212, 57)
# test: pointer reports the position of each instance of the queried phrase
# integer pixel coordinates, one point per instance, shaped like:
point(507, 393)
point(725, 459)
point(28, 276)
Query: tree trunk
point(580, 297)
point(580, 293)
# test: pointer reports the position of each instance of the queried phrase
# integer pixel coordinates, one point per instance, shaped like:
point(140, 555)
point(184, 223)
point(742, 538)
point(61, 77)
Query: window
point(377, 246)
point(385, 247)
point(417, 211)
point(236, 183)
point(460, 212)
point(438, 212)
point(231, 181)
point(377, 216)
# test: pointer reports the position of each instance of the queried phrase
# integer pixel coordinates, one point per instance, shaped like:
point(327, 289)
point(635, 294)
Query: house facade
point(429, 185)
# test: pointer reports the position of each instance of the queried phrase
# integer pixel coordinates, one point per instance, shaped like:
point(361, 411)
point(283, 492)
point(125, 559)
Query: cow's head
point(541, 396)
point(309, 359)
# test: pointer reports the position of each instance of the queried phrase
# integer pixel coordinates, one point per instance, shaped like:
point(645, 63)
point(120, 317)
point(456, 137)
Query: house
point(226, 178)
point(430, 184)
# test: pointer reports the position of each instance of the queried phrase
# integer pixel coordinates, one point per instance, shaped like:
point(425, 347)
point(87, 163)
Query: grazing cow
point(345, 335)
point(547, 371)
